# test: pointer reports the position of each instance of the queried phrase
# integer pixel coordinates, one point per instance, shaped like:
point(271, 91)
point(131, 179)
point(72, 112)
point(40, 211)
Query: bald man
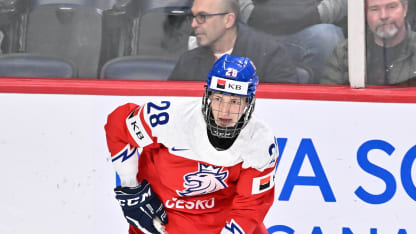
point(218, 32)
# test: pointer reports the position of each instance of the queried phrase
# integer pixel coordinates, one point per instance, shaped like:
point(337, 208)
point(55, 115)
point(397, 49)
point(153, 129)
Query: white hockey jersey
point(203, 190)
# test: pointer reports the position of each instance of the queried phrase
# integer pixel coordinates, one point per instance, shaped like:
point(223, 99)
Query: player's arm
point(255, 190)
point(254, 197)
point(126, 132)
point(122, 146)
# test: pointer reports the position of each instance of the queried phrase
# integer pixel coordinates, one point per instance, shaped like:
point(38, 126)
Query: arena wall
point(347, 156)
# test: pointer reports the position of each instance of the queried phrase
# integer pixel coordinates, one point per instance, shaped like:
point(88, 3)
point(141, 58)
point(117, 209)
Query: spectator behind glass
point(411, 14)
point(391, 48)
point(307, 27)
point(217, 33)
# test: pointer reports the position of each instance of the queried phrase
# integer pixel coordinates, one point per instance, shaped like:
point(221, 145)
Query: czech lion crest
point(207, 179)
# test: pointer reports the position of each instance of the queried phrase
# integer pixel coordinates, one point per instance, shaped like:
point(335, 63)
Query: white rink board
point(56, 178)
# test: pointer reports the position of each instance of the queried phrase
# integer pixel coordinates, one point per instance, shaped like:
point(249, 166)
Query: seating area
point(105, 39)
point(137, 67)
point(93, 38)
point(34, 65)
point(67, 31)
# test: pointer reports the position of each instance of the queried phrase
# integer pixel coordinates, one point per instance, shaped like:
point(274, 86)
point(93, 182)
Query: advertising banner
point(345, 167)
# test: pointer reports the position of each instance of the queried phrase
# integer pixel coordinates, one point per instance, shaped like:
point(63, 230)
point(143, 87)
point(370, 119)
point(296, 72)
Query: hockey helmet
point(234, 76)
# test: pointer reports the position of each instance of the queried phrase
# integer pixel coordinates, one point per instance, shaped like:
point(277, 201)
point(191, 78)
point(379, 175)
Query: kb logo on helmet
point(234, 86)
point(228, 85)
point(223, 84)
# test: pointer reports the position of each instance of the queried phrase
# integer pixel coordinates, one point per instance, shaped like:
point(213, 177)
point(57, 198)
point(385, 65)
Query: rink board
point(345, 167)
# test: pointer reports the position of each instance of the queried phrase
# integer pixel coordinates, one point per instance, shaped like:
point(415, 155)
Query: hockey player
point(209, 171)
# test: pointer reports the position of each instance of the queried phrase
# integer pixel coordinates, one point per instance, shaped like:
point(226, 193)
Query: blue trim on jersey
point(125, 155)
point(233, 228)
point(118, 181)
point(281, 144)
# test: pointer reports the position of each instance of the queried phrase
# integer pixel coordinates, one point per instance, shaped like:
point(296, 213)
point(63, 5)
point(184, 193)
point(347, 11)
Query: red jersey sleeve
point(116, 131)
point(125, 133)
point(254, 197)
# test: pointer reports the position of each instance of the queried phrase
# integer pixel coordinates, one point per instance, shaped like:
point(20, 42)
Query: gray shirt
point(330, 11)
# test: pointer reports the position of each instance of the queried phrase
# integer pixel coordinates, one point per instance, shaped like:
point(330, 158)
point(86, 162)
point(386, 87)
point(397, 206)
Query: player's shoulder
point(259, 145)
point(152, 107)
point(169, 120)
point(121, 112)
point(258, 128)
point(164, 114)
point(173, 106)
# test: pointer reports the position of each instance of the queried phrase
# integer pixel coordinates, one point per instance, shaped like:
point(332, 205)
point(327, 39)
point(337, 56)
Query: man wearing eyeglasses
point(218, 32)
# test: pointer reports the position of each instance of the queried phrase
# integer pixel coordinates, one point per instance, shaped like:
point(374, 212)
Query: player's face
point(213, 28)
point(386, 19)
point(227, 110)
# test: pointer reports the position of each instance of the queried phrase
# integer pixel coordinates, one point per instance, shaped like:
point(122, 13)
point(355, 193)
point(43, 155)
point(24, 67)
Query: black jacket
point(402, 71)
point(280, 17)
point(268, 55)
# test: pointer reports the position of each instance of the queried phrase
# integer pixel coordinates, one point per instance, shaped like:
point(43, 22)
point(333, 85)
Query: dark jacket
point(280, 17)
point(411, 14)
point(400, 71)
point(268, 55)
